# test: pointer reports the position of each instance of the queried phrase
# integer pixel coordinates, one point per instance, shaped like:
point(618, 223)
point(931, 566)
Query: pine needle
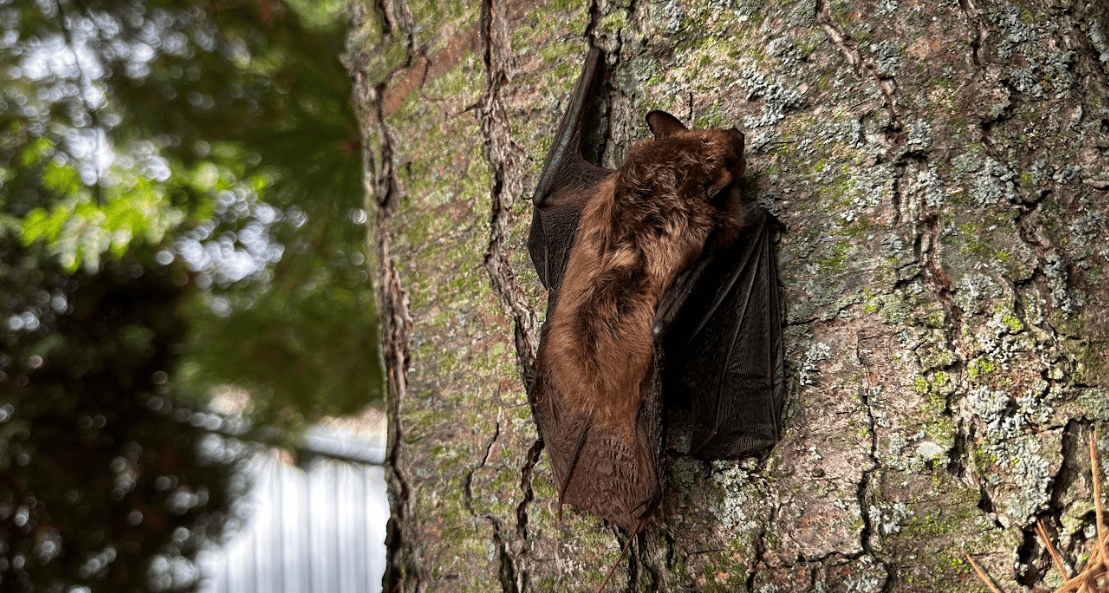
point(1094, 577)
point(1102, 532)
point(982, 575)
point(1041, 531)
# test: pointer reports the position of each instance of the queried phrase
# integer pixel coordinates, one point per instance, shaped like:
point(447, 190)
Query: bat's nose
point(735, 140)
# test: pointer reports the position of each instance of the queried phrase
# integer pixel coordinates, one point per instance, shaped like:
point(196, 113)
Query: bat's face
point(739, 162)
point(715, 155)
point(730, 149)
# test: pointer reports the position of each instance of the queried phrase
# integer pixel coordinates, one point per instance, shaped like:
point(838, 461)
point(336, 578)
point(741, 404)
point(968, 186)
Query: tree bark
point(942, 170)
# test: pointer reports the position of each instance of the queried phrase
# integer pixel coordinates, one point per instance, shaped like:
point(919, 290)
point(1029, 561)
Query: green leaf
point(36, 151)
point(40, 225)
point(63, 180)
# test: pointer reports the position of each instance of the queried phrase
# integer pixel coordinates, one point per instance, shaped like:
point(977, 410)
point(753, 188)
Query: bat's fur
point(640, 228)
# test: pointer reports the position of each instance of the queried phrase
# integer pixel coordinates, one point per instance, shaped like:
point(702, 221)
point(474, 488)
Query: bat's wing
point(564, 184)
point(720, 326)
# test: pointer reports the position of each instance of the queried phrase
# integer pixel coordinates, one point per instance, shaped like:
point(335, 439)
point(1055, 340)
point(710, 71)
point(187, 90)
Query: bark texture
point(942, 169)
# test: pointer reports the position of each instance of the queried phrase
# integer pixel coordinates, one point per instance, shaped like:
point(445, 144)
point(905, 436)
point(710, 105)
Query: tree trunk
point(942, 170)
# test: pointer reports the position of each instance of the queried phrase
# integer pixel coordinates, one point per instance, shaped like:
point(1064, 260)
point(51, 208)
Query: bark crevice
point(863, 486)
point(863, 68)
point(500, 154)
point(396, 327)
point(395, 321)
point(981, 32)
point(510, 579)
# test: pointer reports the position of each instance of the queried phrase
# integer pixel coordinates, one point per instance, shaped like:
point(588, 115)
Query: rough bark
point(942, 169)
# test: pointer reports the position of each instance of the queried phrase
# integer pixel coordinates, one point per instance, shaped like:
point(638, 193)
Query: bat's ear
point(663, 124)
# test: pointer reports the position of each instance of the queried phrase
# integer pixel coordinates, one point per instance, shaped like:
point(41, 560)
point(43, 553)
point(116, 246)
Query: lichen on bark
point(942, 170)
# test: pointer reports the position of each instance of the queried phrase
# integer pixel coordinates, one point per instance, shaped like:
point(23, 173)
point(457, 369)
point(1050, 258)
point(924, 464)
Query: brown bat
point(663, 293)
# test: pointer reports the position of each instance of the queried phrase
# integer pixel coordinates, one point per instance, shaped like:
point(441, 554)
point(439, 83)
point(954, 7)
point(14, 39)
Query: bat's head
point(716, 155)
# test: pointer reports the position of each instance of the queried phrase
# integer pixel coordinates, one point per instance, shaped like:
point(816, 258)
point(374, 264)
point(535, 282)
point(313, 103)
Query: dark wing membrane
point(564, 184)
point(720, 328)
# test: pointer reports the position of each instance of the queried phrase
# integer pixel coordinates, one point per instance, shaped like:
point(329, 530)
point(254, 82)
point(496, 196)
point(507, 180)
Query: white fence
point(319, 529)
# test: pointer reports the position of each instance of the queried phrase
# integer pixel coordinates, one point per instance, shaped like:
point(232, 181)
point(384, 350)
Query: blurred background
point(189, 378)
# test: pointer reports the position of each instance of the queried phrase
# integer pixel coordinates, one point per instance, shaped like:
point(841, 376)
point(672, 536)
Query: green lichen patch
point(462, 83)
point(384, 54)
point(934, 351)
point(976, 244)
point(932, 514)
point(1088, 403)
point(444, 23)
point(548, 74)
point(895, 310)
point(466, 540)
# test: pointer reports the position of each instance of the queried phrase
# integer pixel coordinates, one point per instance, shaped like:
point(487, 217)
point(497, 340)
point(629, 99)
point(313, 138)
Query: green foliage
point(180, 194)
point(295, 344)
point(104, 477)
point(179, 123)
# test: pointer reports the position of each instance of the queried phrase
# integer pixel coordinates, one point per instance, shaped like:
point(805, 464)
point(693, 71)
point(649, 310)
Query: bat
point(663, 300)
